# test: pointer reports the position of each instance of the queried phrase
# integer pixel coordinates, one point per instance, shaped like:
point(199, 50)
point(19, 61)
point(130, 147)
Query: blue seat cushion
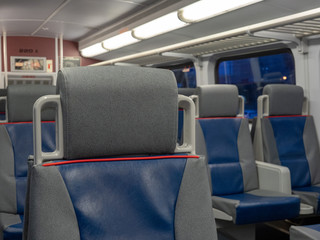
point(14, 232)
point(258, 206)
point(21, 135)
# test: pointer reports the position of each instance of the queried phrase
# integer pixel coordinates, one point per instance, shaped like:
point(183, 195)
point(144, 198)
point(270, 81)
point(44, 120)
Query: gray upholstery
point(7, 176)
point(303, 233)
point(121, 111)
point(218, 100)
point(192, 204)
point(187, 91)
point(7, 220)
point(270, 149)
point(288, 100)
point(311, 145)
point(139, 119)
point(284, 99)
point(3, 93)
point(246, 158)
point(310, 198)
point(21, 98)
point(56, 220)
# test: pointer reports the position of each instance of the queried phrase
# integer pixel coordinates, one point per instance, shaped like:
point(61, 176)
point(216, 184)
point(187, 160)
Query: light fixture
point(119, 41)
point(158, 26)
point(93, 50)
point(205, 9)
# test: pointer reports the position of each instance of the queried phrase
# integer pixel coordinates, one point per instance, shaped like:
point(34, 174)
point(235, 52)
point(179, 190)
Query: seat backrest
point(223, 137)
point(3, 95)
point(119, 178)
point(16, 144)
point(288, 134)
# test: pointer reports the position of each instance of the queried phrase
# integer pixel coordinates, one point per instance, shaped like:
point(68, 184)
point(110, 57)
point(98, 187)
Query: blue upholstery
point(19, 133)
point(225, 140)
point(14, 232)
point(289, 139)
point(145, 192)
point(221, 137)
point(157, 195)
point(253, 208)
point(288, 133)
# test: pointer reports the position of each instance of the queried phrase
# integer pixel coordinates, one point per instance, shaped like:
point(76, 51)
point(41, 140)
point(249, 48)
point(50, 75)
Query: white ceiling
point(89, 21)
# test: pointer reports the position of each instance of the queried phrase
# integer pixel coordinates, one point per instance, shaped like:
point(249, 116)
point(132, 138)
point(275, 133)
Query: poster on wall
point(71, 62)
point(28, 64)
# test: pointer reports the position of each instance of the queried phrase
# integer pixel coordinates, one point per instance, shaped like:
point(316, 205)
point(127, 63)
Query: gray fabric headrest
point(284, 99)
point(187, 91)
point(20, 100)
point(218, 101)
point(116, 110)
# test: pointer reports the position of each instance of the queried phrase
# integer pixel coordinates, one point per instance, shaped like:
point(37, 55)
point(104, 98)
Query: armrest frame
point(274, 177)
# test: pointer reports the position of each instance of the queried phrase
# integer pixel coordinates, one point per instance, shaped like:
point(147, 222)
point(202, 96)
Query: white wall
point(313, 80)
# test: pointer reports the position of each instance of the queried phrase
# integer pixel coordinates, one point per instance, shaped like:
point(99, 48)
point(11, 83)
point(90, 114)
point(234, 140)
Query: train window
point(185, 75)
point(252, 72)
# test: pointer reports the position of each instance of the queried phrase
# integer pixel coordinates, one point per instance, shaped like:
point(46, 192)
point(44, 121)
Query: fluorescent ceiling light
point(119, 41)
point(158, 26)
point(205, 9)
point(93, 50)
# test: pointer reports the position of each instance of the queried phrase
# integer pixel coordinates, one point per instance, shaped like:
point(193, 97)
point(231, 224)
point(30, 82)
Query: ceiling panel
point(24, 9)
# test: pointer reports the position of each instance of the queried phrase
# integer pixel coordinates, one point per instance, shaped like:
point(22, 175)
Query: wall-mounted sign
point(71, 62)
point(28, 64)
point(49, 65)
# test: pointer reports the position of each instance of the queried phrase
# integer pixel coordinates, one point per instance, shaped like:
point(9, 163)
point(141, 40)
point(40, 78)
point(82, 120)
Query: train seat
point(308, 232)
point(119, 177)
point(3, 96)
point(288, 138)
point(16, 145)
point(222, 135)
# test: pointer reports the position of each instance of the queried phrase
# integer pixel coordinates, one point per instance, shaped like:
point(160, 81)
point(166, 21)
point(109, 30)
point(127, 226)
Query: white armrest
point(218, 214)
point(274, 177)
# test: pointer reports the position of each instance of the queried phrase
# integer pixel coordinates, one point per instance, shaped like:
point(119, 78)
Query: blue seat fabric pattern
point(19, 133)
point(253, 208)
point(223, 158)
point(140, 197)
point(288, 133)
point(227, 180)
point(14, 232)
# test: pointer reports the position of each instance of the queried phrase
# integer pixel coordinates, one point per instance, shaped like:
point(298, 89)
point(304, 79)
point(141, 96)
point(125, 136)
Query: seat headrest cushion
point(284, 99)
point(115, 110)
point(20, 100)
point(218, 101)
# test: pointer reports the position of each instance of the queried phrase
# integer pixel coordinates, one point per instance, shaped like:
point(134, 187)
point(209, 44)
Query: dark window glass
point(185, 75)
point(252, 73)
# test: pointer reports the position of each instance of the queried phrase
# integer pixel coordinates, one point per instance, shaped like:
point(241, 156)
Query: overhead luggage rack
point(294, 28)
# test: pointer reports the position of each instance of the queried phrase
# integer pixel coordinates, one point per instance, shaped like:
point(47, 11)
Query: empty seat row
point(116, 161)
point(112, 169)
point(16, 146)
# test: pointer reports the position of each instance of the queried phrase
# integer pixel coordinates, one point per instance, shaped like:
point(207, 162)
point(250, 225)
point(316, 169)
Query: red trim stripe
point(219, 118)
point(24, 122)
point(117, 159)
point(287, 116)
